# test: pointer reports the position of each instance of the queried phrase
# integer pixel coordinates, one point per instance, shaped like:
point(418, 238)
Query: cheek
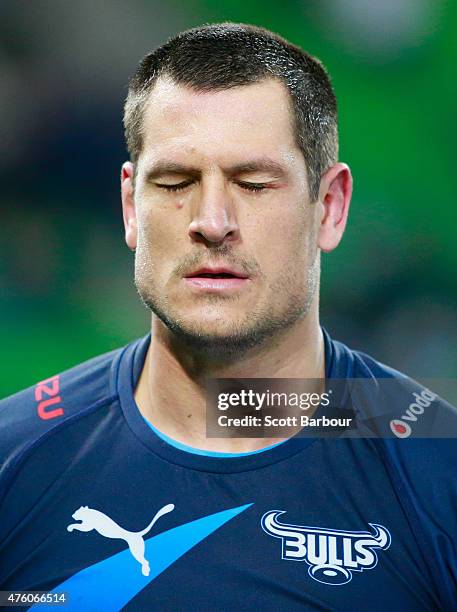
point(159, 231)
point(284, 242)
point(152, 266)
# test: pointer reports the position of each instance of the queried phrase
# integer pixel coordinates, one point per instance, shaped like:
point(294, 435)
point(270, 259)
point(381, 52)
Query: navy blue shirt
point(96, 504)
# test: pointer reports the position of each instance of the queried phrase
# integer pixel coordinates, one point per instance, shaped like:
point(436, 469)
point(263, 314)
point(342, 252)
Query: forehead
point(250, 119)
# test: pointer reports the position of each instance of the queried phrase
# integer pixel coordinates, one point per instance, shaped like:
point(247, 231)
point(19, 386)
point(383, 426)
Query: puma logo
point(105, 526)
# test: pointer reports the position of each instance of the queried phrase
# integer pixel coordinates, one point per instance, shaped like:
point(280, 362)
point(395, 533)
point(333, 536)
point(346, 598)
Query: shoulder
point(415, 429)
point(60, 394)
point(48, 406)
point(395, 404)
point(415, 434)
point(362, 365)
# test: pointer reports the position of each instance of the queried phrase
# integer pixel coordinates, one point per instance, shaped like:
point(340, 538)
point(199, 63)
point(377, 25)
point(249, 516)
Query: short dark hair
point(219, 56)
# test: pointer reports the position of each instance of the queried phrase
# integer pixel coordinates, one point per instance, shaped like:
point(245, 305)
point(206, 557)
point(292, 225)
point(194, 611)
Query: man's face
point(225, 233)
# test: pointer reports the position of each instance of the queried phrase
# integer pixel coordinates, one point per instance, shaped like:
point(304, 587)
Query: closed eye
point(173, 186)
point(252, 186)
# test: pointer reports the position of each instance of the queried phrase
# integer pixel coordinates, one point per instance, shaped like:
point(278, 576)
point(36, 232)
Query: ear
point(128, 204)
point(334, 197)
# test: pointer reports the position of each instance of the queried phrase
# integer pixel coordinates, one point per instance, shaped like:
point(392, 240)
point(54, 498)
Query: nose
point(214, 220)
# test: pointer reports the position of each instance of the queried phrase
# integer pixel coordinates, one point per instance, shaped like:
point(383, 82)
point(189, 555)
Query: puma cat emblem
point(105, 526)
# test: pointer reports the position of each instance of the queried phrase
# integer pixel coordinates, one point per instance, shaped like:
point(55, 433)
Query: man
point(232, 190)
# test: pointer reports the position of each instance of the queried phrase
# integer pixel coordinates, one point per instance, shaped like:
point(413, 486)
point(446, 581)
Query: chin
point(212, 324)
point(219, 337)
point(219, 331)
point(212, 334)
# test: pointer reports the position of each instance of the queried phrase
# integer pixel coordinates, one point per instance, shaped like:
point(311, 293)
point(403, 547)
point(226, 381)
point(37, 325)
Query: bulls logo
point(331, 555)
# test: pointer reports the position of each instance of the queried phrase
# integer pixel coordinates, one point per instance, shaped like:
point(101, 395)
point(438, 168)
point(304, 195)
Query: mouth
point(219, 279)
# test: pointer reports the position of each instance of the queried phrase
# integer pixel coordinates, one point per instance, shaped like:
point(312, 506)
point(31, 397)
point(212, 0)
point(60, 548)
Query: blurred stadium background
point(65, 274)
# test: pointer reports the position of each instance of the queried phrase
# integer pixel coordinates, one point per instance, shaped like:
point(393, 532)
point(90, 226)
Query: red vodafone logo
point(422, 400)
point(400, 428)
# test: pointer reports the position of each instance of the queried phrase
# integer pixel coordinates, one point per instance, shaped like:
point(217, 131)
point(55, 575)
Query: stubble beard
point(255, 331)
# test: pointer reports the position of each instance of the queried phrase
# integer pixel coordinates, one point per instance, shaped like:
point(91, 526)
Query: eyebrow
point(162, 168)
point(263, 164)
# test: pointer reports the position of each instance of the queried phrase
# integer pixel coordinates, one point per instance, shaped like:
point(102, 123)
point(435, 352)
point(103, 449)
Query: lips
point(221, 279)
point(219, 272)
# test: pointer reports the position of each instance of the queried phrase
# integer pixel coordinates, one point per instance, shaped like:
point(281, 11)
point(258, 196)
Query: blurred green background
point(65, 274)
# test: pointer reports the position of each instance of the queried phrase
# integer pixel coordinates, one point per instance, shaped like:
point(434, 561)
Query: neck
point(171, 391)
